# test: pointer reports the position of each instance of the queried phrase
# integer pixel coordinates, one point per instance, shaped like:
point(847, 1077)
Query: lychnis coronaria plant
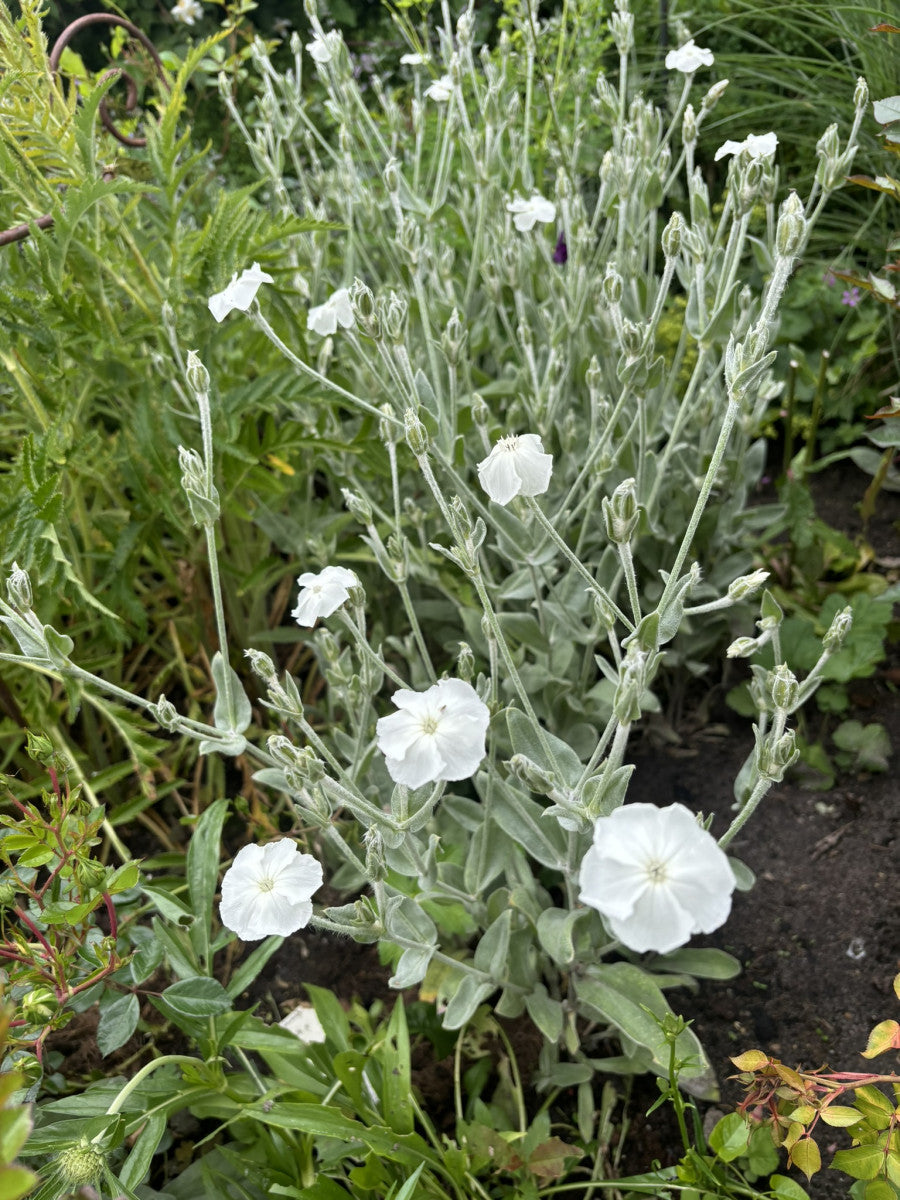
point(526, 390)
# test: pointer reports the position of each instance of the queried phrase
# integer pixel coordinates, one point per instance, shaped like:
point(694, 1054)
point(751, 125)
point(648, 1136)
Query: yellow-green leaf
point(805, 1157)
point(751, 1060)
point(840, 1115)
point(885, 1036)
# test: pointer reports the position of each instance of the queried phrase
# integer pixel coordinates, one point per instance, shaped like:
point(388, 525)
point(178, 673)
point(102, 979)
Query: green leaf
point(136, 1166)
point(806, 1156)
point(203, 873)
point(15, 1126)
point(627, 996)
point(564, 762)
point(729, 1137)
point(546, 1013)
point(886, 111)
point(194, 998)
point(555, 930)
point(522, 818)
point(860, 1162)
point(880, 1189)
point(117, 1023)
point(396, 1085)
point(16, 1181)
point(465, 1000)
point(786, 1188)
point(412, 966)
point(703, 964)
point(252, 965)
point(236, 717)
point(492, 950)
point(331, 1016)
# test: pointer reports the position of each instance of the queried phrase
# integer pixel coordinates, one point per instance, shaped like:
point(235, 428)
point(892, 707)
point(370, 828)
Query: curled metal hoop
point(19, 232)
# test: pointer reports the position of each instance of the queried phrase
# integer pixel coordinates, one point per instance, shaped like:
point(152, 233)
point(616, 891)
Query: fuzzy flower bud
point(196, 374)
point(860, 94)
point(164, 713)
point(783, 687)
point(747, 585)
point(357, 506)
point(791, 231)
point(528, 772)
point(621, 26)
point(453, 339)
point(743, 647)
point(376, 867)
point(78, 1166)
point(714, 95)
point(394, 317)
point(775, 755)
point(689, 126)
point(611, 287)
point(838, 630)
point(481, 414)
point(415, 432)
point(362, 300)
point(261, 665)
point(621, 513)
point(465, 663)
point(18, 589)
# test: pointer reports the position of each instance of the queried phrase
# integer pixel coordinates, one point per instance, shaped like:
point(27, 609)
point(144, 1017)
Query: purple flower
point(851, 297)
point(829, 279)
point(561, 253)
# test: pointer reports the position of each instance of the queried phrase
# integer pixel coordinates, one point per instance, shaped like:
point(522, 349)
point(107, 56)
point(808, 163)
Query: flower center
point(266, 884)
point(430, 725)
point(509, 444)
point(656, 871)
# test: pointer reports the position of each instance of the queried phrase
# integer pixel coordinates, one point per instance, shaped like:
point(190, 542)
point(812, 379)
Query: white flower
point(656, 877)
point(526, 212)
point(267, 890)
point(324, 49)
point(322, 594)
point(757, 145)
point(688, 58)
point(337, 310)
point(187, 11)
point(437, 734)
point(441, 89)
point(414, 60)
point(516, 466)
point(240, 292)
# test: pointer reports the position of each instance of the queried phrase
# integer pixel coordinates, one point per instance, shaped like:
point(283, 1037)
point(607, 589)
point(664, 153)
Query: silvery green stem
point(576, 562)
point(306, 369)
point(732, 412)
point(222, 631)
point(812, 680)
point(627, 562)
point(612, 725)
point(752, 803)
point(366, 650)
point(681, 417)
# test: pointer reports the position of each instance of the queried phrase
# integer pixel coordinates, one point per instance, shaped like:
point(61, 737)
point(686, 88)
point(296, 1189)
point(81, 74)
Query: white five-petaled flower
point(240, 293)
point(322, 594)
point(656, 876)
point(688, 58)
point(187, 11)
point(441, 90)
point(324, 49)
point(757, 145)
point(436, 734)
point(516, 466)
point(267, 890)
point(527, 212)
point(337, 310)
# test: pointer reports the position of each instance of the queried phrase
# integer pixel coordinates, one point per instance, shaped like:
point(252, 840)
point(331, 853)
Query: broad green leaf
point(887, 110)
point(806, 1156)
point(840, 1115)
point(704, 964)
point(194, 998)
point(323, 1122)
point(236, 717)
point(555, 930)
point(522, 818)
point(885, 1036)
point(628, 998)
point(331, 1016)
point(465, 1000)
point(546, 1013)
point(396, 1085)
point(860, 1162)
point(493, 948)
point(729, 1137)
point(786, 1188)
point(562, 759)
point(412, 966)
point(16, 1181)
point(117, 1023)
point(15, 1126)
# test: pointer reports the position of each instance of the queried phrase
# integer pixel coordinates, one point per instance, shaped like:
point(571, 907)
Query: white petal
point(322, 320)
point(397, 733)
point(342, 308)
point(498, 476)
point(533, 466)
point(420, 764)
point(657, 923)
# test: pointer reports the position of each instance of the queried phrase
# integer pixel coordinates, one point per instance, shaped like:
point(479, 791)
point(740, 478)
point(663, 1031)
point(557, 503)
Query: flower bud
point(358, 506)
point(606, 99)
point(261, 665)
point(391, 175)
point(603, 612)
point(164, 713)
point(838, 630)
point(535, 778)
point(365, 310)
point(481, 414)
point(621, 513)
point(775, 755)
point(743, 647)
point(714, 95)
point(39, 1005)
point(453, 339)
point(415, 432)
point(783, 687)
point(394, 317)
point(18, 589)
point(860, 94)
point(81, 1165)
point(593, 376)
point(791, 231)
point(689, 126)
point(747, 585)
point(671, 235)
point(376, 867)
point(196, 374)
point(621, 26)
point(465, 663)
point(611, 287)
